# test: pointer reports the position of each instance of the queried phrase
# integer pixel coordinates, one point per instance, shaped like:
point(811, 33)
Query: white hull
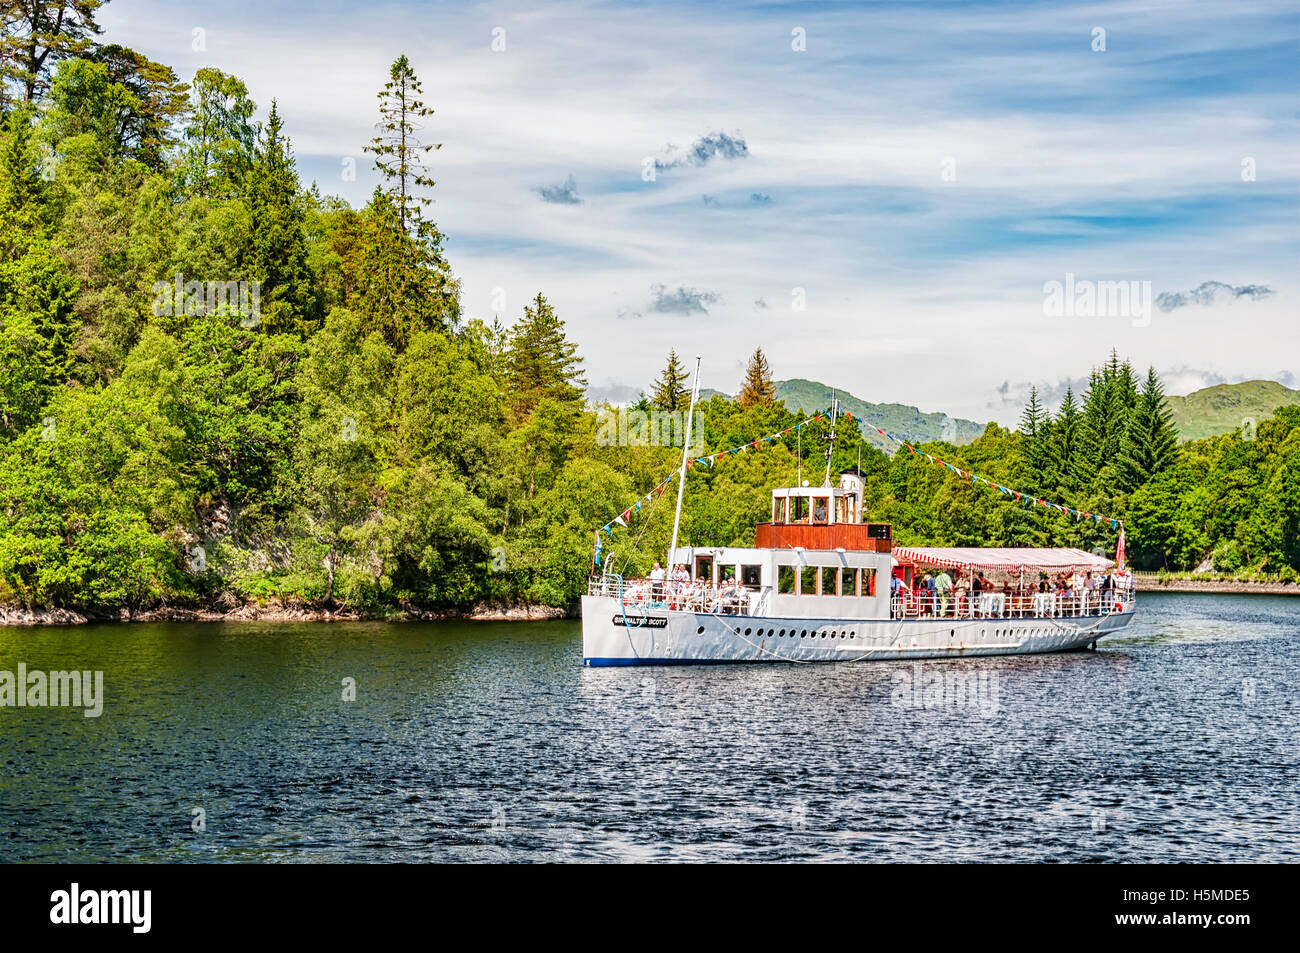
point(666, 637)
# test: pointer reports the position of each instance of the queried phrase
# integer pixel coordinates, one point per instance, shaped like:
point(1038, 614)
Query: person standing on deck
point(657, 583)
point(943, 585)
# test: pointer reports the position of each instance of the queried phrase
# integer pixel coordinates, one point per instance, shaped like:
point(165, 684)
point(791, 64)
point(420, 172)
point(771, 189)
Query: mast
point(830, 447)
point(681, 476)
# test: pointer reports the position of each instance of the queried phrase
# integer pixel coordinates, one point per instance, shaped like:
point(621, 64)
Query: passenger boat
point(824, 584)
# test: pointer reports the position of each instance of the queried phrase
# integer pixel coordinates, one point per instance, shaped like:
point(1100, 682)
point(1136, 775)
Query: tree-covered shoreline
point(220, 387)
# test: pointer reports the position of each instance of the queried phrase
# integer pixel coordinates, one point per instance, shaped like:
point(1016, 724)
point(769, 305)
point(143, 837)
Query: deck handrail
point(695, 596)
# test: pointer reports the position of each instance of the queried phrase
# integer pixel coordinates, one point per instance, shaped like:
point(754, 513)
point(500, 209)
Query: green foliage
point(220, 140)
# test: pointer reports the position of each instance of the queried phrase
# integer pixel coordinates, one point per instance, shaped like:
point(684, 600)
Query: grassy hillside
point(900, 419)
point(1224, 407)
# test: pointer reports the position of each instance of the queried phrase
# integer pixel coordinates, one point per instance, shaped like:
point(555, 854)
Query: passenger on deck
point(943, 586)
point(1090, 590)
point(657, 583)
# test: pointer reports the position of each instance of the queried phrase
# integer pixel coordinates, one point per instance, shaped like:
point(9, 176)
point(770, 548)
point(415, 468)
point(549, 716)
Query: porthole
point(747, 631)
point(803, 634)
point(782, 633)
point(853, 635)
point(700, 630)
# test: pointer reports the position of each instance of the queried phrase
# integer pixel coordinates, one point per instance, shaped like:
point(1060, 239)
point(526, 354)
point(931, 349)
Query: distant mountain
point(1224, 407)
point(1203, 413)
point(900, 419)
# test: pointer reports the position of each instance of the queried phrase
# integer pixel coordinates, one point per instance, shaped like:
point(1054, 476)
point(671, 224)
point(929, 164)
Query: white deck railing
point(681, 596)
point(907, 604)
point(921, 604)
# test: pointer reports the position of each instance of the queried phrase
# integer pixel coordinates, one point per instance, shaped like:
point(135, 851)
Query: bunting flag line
point(973, 478)
point(709, 459)
point(1017, 495)
point(706, 460)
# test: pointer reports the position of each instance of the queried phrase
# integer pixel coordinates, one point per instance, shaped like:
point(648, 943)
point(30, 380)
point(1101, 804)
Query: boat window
point(819, 509)
point(704, 568)
point(778, 509)
point(868, 584)
point(751, 575)
point(808, 581)
point(798, 509)
point(848, 581)
point(726, 572)
point(841, 509)
point(785, 580)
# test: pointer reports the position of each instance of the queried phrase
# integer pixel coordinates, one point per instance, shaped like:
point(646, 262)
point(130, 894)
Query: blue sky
point(914, 175)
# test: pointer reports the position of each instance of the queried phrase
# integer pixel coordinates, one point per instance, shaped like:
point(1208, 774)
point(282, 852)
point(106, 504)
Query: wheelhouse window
point(751, 576)
point(848, 581)
point(778, 509)
point(785, 580)
point(868, 583)
point(841, 509)
point(819, 509)
point(798, 509)
point(808, 581)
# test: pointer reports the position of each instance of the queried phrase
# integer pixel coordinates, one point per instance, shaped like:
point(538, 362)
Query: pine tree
point(541, 362)
point(757, 388)
point(1064, 458)
point(669, 391)
point(386, 276)
point(39, 33)
point(1034, 427)
point(1151, 442)
point(279, 254)
point(1094, 422)
point(159, 99)
point(399, 153)
point(22, 190)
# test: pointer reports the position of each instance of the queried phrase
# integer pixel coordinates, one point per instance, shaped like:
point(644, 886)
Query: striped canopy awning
point(1006, 559)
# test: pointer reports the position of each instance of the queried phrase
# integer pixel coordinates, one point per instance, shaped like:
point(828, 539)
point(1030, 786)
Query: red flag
point(1119, 549)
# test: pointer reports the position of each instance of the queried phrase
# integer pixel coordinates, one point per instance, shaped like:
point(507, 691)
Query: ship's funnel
point(851, 480)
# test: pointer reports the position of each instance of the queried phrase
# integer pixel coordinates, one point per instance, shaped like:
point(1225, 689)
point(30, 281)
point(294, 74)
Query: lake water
point(489, 742)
